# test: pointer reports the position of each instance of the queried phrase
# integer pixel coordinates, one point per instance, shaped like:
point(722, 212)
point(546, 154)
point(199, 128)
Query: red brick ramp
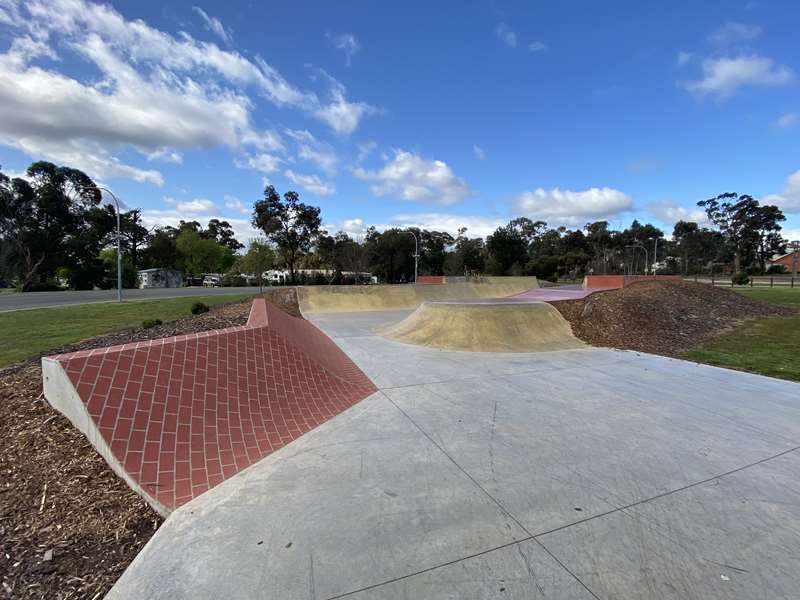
point(176, 416)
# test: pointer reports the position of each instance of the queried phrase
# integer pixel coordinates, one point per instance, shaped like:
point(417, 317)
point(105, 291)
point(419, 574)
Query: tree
point(134, 236)
point(390, 255)
point(54, 219)
point(222, 233)
point(202, 255)
point(747, 227)
point(291, 225)
point(507, 247)
point(258, 259)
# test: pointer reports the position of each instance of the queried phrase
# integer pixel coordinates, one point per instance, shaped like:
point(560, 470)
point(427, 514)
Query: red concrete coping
point(620, 281)
point(430, 279)
point(182, 414)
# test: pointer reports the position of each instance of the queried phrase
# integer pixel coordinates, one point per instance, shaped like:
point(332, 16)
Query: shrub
point(740, 278)
point(148, 323)
point(199, 308)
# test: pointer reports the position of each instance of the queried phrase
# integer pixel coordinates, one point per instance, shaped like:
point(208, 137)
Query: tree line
point(55, 231)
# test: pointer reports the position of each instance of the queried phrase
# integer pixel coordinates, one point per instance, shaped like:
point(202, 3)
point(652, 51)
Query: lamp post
point(119, 237)
point(416, 253)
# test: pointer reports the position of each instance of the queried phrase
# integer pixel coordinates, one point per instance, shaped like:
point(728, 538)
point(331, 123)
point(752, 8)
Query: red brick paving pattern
point(183, 414)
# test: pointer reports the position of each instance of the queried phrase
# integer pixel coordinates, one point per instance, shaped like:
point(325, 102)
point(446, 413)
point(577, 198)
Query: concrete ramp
point(349, 298)
point(176, 416)
point(485, 326)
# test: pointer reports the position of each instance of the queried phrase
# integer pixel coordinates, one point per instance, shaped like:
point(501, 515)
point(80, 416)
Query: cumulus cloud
point(310, 149)
point(787, 120)
point(789, 200)
point(310, 183)
point(234, 203)
point(412, 177)
point(213, 25)
point(506, 35)
point(347, 43)
point(683, 58)
point(194, 206)
point(365, 149)
point(732, 33)
point(266, 163)
point(568, 207)
point(670, 213)
point(242, 228)
point(723, 76)
point(353, 227)
point(477, 226)
point(153, 92)
point(478, 152)
point(537, 46)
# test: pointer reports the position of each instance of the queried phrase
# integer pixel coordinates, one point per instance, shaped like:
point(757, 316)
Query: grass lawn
point(25, 333)
point(769, 346)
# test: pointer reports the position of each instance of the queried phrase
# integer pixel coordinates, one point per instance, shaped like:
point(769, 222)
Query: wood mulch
point(68, 526)
point(661, 317)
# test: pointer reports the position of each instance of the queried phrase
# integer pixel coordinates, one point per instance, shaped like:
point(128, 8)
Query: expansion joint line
point(535, 536)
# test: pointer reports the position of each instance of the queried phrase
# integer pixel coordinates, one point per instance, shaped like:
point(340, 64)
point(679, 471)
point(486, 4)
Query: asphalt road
point(11, 301)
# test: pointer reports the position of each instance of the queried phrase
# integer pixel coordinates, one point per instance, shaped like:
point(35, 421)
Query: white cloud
point(731, 33)
point(242, 228)
point(353, 227)
point(478, 151)
point(266, 163)
point(365, 149)
point(670, 213)
point(310, 183)
point(214, 25)
point(789, 200)
point(412, 177)
point(477, 226)
point(506, 35)
point(566, 207)
point(346, 42)
point(195, 206)
point(683, 58)
point(787, 120)
point(313, 150)
point(152, 91)
point(724, 76)
point(537, 46)
point(339, 113)
point(166, 155)
point(234, 203)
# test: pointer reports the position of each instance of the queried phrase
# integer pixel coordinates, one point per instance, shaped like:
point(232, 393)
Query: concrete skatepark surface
point(585, 473)
point(176, 416)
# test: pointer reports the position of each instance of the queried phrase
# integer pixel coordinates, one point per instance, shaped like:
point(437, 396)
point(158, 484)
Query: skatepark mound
point(350, 298)
point(660, 317)
point(176, 416)
point(485, 326)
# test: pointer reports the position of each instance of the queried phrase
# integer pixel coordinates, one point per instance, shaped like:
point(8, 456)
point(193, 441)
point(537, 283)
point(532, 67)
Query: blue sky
point(435, 114)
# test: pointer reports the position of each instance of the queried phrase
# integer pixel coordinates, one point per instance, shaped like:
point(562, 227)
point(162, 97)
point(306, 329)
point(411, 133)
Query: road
point(10, 301)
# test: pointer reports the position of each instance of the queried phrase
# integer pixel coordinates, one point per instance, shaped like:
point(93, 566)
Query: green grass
point(785, 296)
point(26, 333)
point(769, 346)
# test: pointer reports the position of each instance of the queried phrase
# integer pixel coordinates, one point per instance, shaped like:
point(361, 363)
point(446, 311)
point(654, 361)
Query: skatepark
point(447, 440)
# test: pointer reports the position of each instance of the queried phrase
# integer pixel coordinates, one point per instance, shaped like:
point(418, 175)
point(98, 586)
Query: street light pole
point(416, 253)
point(119, 238)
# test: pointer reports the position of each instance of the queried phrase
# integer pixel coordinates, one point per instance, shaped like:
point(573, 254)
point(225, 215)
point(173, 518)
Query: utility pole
point(119, 237)
point(655, 255)
point(416, 253)
point(796, 251)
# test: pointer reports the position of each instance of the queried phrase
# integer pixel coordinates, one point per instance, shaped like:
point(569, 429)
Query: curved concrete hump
point(485, 326)
point(350, 298)
point(176, 416)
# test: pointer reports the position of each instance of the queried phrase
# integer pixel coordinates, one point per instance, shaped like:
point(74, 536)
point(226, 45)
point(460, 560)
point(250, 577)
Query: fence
point(783, 281)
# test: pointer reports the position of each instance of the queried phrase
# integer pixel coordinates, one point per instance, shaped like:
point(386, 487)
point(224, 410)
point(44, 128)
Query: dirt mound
point(660, 317)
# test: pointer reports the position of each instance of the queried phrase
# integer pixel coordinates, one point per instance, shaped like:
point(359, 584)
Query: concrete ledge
point(176, 416)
